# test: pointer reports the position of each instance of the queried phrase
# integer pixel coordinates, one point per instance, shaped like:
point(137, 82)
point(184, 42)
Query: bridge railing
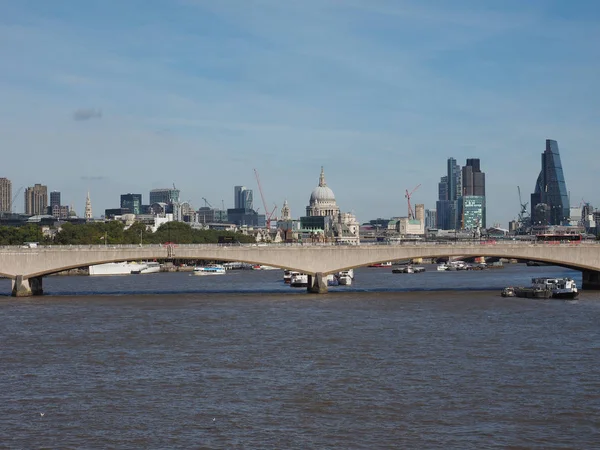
point(458, 243)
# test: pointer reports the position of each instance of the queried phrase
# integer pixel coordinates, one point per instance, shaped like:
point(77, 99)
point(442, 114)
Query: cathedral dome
point(322, 193)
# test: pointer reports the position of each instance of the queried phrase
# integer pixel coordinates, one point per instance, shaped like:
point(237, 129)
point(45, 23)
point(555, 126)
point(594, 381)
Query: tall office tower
point(242, 197)
point(449, 190)
point(473, 179)
point(550, 190)
point(36, 200)
point(430, 219)
point(443, 188)
point(454, 179)
point(472, 208)
point(167, 195)
point(132, 202)
point(88, 207)
point(5, 195)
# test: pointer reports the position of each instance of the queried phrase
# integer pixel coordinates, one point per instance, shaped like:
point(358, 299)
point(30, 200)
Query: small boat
point(298, 279)
point(409, 269)
point(263, 267)
point(287, 275)
point(442, 267)
point(382, 264)
point(211, 269)
point(345, 277)
point(332, 280)
point(508, 292)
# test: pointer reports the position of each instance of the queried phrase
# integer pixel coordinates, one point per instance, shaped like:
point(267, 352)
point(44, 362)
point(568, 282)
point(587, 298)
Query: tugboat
point(508, 292)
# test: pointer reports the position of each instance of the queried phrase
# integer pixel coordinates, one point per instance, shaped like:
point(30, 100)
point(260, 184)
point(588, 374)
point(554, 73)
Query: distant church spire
point(285, 211)
point(322, 178)
point(88, 207)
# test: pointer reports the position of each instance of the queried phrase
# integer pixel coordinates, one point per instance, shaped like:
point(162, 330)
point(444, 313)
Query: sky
point(125, 96)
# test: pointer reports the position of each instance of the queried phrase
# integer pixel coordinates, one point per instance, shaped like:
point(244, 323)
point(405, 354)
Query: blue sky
point(125, 96)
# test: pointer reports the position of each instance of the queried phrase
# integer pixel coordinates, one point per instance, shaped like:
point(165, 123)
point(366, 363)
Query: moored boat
point(211, 269)
point(116, 268)
point(298, 279)
point(147, 267)
point(382, 264)
point(345, 277)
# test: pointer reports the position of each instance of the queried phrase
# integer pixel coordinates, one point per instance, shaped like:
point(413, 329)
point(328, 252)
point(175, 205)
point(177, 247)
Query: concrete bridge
point(27, 266)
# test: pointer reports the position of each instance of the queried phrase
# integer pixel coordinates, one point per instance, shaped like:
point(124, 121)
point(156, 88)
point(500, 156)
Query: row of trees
point(113, 233)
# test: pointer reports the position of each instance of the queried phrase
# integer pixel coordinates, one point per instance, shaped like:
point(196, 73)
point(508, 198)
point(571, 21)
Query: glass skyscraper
point(550, 194)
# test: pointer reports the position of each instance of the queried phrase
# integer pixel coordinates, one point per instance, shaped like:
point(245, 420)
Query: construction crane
point(206, 202)
point(523, 215)
point(12, 202)
point(411, 214)
point(262, 196)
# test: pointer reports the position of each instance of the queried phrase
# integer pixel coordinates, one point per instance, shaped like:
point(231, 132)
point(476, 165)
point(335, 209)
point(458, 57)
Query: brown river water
point(242, 361)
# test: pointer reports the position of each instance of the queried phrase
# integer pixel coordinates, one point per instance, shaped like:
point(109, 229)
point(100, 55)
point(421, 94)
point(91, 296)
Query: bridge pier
point(590, 280)
point(317, 283)
point(26, 287)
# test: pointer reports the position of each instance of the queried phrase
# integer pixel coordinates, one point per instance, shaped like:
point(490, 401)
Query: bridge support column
point(591, 280)
point(26, 287)
point(317, 283)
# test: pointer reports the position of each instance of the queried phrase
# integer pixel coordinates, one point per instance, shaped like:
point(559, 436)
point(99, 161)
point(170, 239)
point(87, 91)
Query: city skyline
point(381, 93)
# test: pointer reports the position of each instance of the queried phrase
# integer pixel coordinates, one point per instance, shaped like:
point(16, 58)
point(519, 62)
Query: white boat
point(211, 269)
point(263, 267)
point(147, 267)
point(332, 280)
point(349, 273)
point(298, 279)
point(442, 267)
point(287, 276)
point(564, 288)
point(117, 268)
point(345, 277)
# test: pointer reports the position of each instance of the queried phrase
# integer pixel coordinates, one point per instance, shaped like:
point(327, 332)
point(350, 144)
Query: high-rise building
point(167, 195)
point(54, 199)
point(55, 208)
point(430, 219)
point(5, 195)
point(243, 197)
point(132, 202)
point(472, 208)
point(36, 200)
point(454, 179)
point(443, 188)
point(449, 190)
point(550, 199)
point(473, 179)
point(472, 211)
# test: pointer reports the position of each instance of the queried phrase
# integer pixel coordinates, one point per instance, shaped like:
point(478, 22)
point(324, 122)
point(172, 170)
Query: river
point(242, 361)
